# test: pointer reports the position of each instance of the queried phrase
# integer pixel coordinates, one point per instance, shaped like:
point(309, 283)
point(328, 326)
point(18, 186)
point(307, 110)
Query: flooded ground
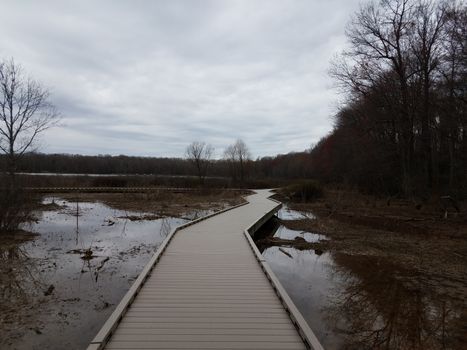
point(286, 233)
point(289, 214)
point(306, 277)
point(59, 288)
point(361, 301)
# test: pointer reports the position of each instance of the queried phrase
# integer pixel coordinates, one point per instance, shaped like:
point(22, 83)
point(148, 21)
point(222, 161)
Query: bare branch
point(200, 154)
point(25, 111)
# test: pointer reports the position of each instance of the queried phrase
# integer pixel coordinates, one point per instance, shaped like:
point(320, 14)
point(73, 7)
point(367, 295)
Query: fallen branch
point(286, 253)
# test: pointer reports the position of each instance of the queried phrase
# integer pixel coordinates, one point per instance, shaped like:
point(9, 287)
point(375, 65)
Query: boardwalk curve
point(208, 287)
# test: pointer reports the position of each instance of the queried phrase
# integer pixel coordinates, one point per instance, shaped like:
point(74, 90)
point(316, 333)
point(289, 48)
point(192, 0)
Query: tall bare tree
point(237, 155)
point(404, 75)
point(379, 35)
point(427, 43)
point(25, 112)
point(200, 154)
point(453, 94)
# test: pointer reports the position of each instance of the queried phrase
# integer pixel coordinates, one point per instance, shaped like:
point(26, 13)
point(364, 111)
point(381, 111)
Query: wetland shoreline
point(375, 275)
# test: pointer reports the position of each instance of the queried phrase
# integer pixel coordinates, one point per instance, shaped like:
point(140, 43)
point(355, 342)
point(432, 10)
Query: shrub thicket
point(305, 191)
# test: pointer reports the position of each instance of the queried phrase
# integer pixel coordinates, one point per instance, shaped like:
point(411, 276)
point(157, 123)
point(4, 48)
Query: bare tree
point(237, 155)
point(200, 153)
point(427, 43)
point(25, 112)
point(453, 94)
point(230, 157)
point(404, 75)
point(379, 35)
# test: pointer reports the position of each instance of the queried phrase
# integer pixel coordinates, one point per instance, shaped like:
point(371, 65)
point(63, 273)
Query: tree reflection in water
point(21, 287)
point(379, 305)
point(19, 277)
point(166, 226)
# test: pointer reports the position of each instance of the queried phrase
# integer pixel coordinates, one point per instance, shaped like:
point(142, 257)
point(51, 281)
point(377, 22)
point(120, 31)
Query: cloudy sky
point(148, 77)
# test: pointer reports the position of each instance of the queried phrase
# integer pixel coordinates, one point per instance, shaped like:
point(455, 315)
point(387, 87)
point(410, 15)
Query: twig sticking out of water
point(286, 253)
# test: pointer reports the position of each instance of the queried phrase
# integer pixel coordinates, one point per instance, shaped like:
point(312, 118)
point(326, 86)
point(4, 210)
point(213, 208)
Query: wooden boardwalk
point(92, 189)
point(208, 287)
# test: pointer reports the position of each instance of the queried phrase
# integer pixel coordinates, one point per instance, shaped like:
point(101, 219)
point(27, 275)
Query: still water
point(53, 298)
point(305, 276)
point(365, 302)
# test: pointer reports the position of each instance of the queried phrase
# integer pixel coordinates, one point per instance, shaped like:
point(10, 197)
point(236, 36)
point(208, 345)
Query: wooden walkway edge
point(207, 299)
point(135, 189)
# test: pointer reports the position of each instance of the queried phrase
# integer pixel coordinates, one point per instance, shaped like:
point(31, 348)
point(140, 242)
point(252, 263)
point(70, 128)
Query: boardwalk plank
point(205, 331)
point(237, 345)
point(208, 290)
point(280, 338)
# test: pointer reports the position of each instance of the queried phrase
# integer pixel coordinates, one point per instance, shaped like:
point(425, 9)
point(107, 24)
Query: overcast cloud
point(148, 77)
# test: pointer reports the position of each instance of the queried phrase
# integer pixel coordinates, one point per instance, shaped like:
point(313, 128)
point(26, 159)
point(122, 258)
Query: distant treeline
point(288, 166)
point(403, 128)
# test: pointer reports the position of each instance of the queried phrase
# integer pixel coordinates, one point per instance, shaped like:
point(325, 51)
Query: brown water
point(366, 302)
point(50, 297)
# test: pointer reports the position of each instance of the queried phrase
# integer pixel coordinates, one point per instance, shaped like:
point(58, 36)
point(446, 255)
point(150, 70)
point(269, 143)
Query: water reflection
point(286, 233)
point(305, 276)
point(77, 215)
point(365, 302)
point(166, 227)
point(18, 275)
point(285, 213)
point(67, 280)
point(21, 288)
point(383, 306)
point(275, 228)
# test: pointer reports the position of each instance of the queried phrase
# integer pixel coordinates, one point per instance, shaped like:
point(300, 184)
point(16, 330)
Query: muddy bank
point(163, 203)
point(59, 285)
point(413, 235)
